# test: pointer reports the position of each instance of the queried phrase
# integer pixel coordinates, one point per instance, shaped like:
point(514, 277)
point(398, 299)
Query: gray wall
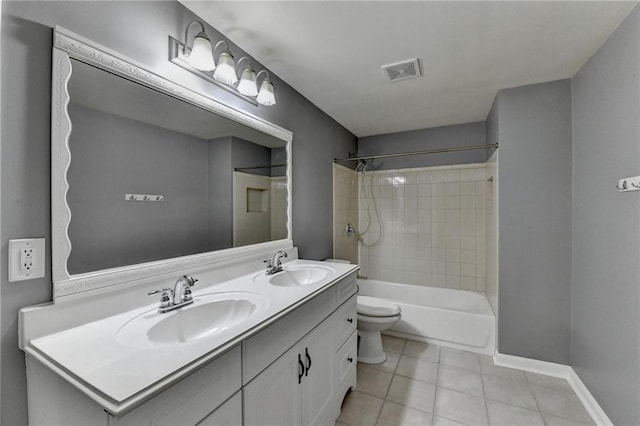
point(224, 155)
point(535, 220)
point(424, 139)
point(606, 231)
point(113, 156)
point(139, 30)
point(492, 128)
point(278, 156)
point(220, 214)
point(248, 154)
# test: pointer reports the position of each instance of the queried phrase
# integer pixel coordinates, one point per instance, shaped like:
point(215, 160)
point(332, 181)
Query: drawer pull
point(350, 320)
point(301, 371)
point(306, 352)
point(350, 359)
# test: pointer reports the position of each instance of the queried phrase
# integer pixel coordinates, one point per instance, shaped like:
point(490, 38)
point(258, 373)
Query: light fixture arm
point(238, 68)
point(186, 34)
point(262, 71)
point(220, 43)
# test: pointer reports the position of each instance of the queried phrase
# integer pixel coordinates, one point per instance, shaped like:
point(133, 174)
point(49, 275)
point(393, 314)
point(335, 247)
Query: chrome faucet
point(180, 294)
point(275, 264)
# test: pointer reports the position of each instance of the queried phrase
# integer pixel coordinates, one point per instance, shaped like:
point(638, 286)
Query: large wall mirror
point(148, 176)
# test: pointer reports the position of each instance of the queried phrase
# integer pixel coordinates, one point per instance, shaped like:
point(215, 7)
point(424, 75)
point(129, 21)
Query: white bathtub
point(455, 318)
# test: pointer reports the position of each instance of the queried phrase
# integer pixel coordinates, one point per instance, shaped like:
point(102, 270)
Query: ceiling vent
point(403, 70)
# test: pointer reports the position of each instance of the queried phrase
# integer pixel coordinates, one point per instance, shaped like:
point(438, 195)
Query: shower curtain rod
point(429, 151)
point(240, 169)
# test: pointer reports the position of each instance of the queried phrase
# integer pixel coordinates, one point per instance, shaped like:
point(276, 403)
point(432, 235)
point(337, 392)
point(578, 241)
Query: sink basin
point(300, 276)
point(209, 315)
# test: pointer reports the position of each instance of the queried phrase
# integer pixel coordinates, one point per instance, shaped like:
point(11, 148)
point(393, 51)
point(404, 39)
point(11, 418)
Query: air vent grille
point(402, 70)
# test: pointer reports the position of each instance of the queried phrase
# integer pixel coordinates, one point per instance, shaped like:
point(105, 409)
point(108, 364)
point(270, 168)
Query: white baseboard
point(593, 408)
point(557, 370)
point(532, 365)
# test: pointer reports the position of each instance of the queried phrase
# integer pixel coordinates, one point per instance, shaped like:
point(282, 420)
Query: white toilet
point(374, 316)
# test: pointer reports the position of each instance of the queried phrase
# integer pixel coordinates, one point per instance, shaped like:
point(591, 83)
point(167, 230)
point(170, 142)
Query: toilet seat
point(375, 307)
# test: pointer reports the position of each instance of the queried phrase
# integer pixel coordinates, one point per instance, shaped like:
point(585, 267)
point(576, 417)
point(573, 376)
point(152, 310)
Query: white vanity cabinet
point(209, 394)
point(306, 384)
point(291, 371)
point(196, 398)
point(298, 388)
point(346, 344)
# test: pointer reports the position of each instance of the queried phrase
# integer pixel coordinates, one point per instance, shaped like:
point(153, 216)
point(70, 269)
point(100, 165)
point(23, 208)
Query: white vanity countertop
point(118, 372)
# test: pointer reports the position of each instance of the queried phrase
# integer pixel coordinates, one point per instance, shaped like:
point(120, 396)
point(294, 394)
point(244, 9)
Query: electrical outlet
point(26, 259)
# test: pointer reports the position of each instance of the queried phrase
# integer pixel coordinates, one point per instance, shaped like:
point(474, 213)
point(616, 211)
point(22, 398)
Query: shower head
point(366, 163)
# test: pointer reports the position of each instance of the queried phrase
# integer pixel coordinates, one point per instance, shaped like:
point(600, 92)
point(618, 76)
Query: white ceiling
point(331, 52)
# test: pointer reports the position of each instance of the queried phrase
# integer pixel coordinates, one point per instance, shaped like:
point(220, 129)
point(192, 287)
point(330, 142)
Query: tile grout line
point(535, 399)
point(435, 390)
point(495, 376)
point(484, 394)
point(528, 383)
point(393, 375)
point(553, 390)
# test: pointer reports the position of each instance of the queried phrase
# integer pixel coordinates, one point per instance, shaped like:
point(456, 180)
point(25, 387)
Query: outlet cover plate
point(36, 256)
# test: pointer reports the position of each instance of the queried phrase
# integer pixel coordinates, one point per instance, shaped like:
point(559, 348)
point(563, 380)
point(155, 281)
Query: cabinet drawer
point(191, 399)
point(346, 288)
point(346, 363)
point(265, 347)
point(345, 320)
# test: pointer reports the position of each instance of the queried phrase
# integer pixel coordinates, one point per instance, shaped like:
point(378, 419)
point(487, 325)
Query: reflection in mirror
point(153, 177)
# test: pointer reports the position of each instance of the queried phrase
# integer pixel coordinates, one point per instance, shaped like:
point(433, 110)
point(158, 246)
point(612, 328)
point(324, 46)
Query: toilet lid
point(375, 307)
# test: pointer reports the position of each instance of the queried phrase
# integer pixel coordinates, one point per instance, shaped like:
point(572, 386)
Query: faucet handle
point(187, 296)
point(165, 300)
point(163, 290)
point(268, 262)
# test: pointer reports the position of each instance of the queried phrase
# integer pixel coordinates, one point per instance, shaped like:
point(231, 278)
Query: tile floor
point(423, 384)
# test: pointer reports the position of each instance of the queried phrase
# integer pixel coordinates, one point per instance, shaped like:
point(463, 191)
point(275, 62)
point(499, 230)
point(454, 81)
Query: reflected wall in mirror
point(211, 182)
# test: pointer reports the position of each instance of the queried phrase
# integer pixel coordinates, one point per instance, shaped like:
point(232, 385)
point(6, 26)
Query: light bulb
point(201, 56)
point(266, 95)
point(247, 85)
point(226, 70)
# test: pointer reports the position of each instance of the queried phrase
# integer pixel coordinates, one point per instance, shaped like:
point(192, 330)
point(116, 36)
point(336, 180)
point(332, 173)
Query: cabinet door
point(260, 350)
point(228, 414)
point(319, 382)
point(273, 397)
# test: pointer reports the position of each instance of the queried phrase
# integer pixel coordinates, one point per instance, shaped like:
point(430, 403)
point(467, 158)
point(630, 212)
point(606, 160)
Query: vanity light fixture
point(248, 84)
point(266, 95)
point(226, 70)
point(200, 56)
point(201, 60)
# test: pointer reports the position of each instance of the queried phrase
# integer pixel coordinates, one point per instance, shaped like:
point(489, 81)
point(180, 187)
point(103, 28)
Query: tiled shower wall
point(345, 210)
point(433, 229)
point(269, 222)
point(278, 207)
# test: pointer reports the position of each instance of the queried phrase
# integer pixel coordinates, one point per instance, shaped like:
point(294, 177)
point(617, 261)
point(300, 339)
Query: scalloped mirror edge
point(68, 45)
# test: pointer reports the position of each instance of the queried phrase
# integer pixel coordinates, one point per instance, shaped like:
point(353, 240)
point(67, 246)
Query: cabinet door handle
point(350, 320)
point(306, 352)
point(301, 370)
point(350, 359)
